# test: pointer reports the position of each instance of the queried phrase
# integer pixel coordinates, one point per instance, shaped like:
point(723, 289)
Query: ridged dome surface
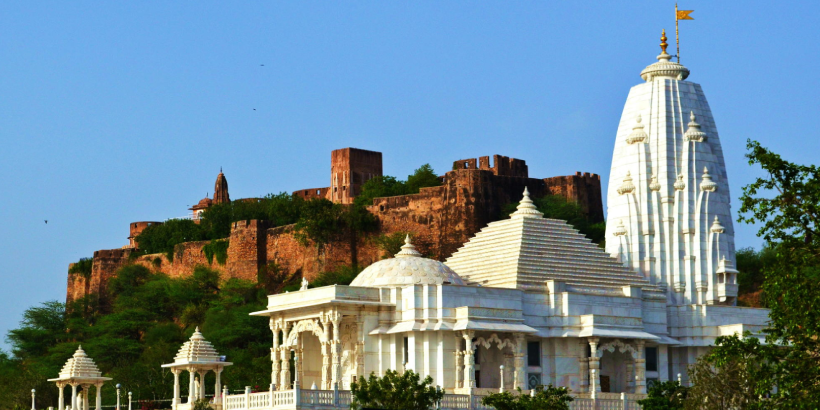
point(197, 349)
point(80, 366)
point(407, 268)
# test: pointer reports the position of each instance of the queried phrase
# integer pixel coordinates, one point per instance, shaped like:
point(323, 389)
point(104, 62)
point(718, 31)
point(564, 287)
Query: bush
point(218, 248)
point(82, 267)
point(549, 398)
point(390, 243)
point(342, 275)
point(395, 391)
point(668, 395)
point(162, 238)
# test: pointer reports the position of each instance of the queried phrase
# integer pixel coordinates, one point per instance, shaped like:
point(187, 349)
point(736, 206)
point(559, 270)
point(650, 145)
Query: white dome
point(407, 268)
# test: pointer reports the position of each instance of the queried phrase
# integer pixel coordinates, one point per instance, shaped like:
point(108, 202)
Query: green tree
point(728, 382)
point(161, 238)
point(545, 398)
point(386, 186)
point(785, 203)
point(380, 187)
point(342, 275)
point(394, 391)
point(668, 395)
point(750, 264)
point(390, 243)
point(422, 177)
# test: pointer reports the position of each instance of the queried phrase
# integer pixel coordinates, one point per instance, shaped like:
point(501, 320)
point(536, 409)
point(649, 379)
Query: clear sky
point(113, 112)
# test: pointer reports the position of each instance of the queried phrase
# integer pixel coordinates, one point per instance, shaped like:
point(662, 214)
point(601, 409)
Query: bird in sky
point(261, 65)
point(46, 221)
point(254, 109)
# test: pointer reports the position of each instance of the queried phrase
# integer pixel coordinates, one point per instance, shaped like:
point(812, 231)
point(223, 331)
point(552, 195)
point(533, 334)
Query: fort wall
point(440, 219)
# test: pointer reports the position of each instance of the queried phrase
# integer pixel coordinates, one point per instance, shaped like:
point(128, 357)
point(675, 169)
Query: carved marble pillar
point(61, 397)
point(218, 385)
point(201, 388)
point(191, 385)
point(274, 352)
point(73, 397)
point(98, 397)
point(325, 346)
point(360, 345)
point(519, 375)
point(630, 376)
point(284, 370)
point(594, 365)
point(459, 360)
point(583, 365)
point(640, 368)
point(176, 401)
point(86, 391)
point(336, 350)
point(469, 359)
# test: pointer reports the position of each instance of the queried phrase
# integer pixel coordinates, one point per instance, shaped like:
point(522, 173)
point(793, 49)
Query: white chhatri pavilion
point(197, 356)
point(80, 371)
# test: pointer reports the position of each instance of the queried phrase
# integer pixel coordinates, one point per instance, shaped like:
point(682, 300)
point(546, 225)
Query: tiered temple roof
point(527, 250)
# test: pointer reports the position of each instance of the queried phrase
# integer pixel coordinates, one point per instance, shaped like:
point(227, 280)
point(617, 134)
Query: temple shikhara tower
point(669, 212)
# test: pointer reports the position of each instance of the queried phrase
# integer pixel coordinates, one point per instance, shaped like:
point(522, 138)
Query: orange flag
point(684, 15)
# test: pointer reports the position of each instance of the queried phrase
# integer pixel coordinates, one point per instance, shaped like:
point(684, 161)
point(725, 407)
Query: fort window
point(381, 208)
point(344, 188)
point(317, 192)
point(466, 165)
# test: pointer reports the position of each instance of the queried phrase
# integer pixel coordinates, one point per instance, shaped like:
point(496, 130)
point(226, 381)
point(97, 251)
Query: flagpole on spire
point(680, 15)
point(677, 36)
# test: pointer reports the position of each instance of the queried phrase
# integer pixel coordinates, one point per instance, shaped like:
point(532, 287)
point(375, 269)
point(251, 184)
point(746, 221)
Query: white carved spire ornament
point(627, 186)
point(620, 230)
point(717, 227)
point(680, 185)
point(654, 185)
point(638, 134)
point(693, 133)
point(707, 184)
point(408, 249)
point(526, 209)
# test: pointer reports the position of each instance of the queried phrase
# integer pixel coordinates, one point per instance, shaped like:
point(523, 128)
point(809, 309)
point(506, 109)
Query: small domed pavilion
point(197, 356)
point(80, 371)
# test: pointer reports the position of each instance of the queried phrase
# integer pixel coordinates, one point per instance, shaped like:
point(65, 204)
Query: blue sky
point(113, 112)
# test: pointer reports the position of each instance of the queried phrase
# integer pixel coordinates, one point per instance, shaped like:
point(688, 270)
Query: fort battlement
point(503, 166)
point(440, 219)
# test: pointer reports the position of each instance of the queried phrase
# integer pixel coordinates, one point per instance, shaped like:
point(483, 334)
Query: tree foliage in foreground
point(394, 391)
point(545, 398)
point(668, 395)
point(786, 204)
point(731, 377)
point(150, 317)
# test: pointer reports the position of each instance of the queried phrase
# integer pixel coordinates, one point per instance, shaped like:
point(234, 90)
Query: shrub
point(218, 248)
point(549, 398)
point(82, 267)
point(395, 391)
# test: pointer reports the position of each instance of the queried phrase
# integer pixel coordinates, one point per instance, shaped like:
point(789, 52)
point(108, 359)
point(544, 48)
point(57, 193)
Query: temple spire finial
point(526, 208)
point(663, 41)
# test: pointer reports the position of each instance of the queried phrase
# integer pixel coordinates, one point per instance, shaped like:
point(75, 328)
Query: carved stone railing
point(299, 399)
